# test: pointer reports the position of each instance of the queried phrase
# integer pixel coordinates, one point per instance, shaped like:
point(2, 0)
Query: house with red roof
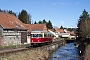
point(12, 30)
point(34, 27)
point(65, 32)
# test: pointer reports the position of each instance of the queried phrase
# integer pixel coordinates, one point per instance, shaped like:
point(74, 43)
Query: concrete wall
point(11, 40)
point(12, 37)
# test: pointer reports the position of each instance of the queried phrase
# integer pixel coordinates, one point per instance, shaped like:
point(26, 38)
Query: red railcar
point(40, 37)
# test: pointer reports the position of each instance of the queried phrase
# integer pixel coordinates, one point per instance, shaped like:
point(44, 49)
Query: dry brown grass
point(87, 53)
point(29, 55)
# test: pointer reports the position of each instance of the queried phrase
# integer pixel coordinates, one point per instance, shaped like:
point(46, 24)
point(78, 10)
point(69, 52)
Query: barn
point(12, 30)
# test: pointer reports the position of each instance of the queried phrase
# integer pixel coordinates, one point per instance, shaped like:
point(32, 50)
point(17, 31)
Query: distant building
point(12, 30)
point(65, 33)
point(33, 27)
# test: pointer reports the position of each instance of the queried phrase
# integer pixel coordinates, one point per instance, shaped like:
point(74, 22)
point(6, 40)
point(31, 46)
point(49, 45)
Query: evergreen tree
point(71, 29)
point(61, 27)
point(83, 29)
point(49, 24)
point(24, 16)
point(10, 12)
point(40, 22)
point(0, 10)
point(44, 21)
point(35, 22)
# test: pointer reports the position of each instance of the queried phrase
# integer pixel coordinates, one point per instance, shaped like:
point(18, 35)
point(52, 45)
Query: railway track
point(15, 51)
point(7, 52)
point(28, 48)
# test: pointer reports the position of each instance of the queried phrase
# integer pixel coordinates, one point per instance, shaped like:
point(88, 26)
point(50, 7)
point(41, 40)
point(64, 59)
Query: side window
point(31, 35)
point(45, 35)
point(49, 35)
point(34, 35)
point(39, 35)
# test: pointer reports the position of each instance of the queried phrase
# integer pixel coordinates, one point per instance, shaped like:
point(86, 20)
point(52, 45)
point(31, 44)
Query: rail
point(15, 51)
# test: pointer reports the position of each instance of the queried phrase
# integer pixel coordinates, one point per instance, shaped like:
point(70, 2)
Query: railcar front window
point(39, 35)
point(36, 35)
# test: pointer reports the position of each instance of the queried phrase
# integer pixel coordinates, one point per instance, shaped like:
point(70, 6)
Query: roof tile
point(32, 27)
point(10, 21)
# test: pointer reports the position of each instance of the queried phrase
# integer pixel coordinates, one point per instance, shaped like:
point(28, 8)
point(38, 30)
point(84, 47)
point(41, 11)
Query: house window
point(14, 37)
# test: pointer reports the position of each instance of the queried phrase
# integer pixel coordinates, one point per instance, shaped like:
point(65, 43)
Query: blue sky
point(59, 12)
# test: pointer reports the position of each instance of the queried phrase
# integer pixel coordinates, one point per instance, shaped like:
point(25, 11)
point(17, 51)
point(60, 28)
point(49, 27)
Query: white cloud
point(62, 3)
point(54, 3)
point(62, 22)
point(65, 3)
point(77, 2)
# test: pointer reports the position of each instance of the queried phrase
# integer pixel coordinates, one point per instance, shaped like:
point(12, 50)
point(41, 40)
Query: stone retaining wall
point(40, 53)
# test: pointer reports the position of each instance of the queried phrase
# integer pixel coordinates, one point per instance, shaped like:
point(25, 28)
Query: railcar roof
point(38, 31)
